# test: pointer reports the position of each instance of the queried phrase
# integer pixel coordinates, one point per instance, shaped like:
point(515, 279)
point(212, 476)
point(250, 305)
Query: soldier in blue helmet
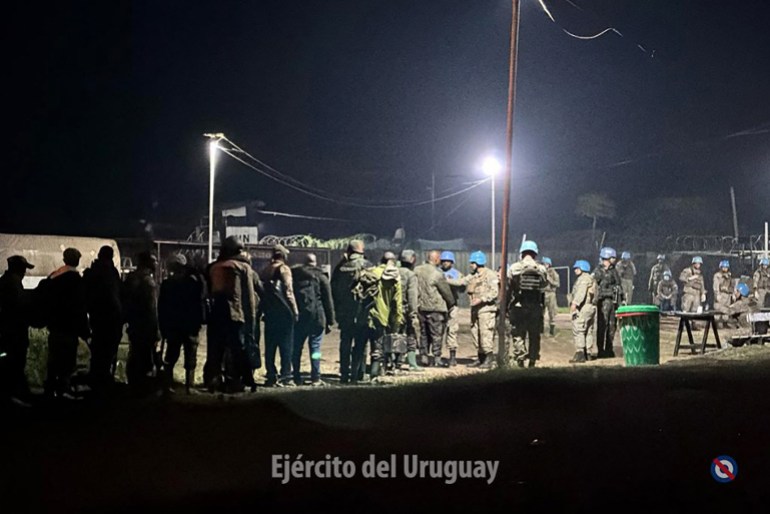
point(723, 290)
point(743, 304)
point(627, 271)
point(693, 287)
point(609, 294)
point(583, 311)
point(525, 303)
point(454, 278)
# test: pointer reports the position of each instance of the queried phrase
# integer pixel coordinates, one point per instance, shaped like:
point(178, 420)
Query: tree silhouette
point(595, 206)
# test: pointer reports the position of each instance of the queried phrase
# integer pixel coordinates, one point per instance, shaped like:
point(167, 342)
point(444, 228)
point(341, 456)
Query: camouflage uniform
point(452, 322)
point(409, 299)
point(482, 286)
point(693, 289)
point(723, 291)
point(656, 275)
point(609, 294)
point(742, 306)
point(551, 286)
point(627, 271)
point(761, 285)
point(526, 280)
point(583, 293)
point(666, 293)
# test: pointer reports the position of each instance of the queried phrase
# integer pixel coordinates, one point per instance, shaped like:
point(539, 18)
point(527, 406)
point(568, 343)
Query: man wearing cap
point(435, 300)
point(233, 323)
point(67, 321)
point(723, 290)
point(316, 316)
point(410, 303)
point(609, 294)
point(454, 278)
point(583, 311)
point(693, 287)
point(181, 314)
point(525, 303)
point(551, 287)
point(102, 283)
point(627, 271)
point(279, 307)
point(762, 282)
point(656, 274)
point(350, 317)
point(667, 293)
point(140, 307)
point(483, 289)
point(14, 330)
point(386, 314)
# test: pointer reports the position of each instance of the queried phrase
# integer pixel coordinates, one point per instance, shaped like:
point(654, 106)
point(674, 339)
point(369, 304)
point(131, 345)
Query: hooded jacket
point(314, 296)
point(387, 309)
point(346, 306)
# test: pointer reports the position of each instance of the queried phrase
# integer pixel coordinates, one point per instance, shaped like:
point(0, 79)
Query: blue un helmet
point(667, 275)
point(764, 262)
point(607, 253)
point(447, 256)
point(724, 264)
point(661, 257)
point(697, 259)
point(743, 289)
point(479, 258)
point(625, 255)
point(582, 266)
point(529, 246)
point(547, 260)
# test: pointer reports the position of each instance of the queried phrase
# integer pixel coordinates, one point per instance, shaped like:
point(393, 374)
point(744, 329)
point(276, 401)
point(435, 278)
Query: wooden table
point(685, 323)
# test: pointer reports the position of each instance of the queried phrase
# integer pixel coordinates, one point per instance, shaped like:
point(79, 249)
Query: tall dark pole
point(502, 347)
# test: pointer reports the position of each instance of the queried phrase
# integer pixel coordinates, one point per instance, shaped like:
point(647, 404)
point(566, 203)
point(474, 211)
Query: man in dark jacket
point(140, 307)
point(233, 326)
point(14, 330)
point(102, 285)
point(351, 318)
point(181, 307)
point(316, 316)
point(279, 307)
point(67, 321)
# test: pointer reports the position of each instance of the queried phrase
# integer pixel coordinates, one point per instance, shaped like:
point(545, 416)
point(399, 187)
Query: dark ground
point(569, 439)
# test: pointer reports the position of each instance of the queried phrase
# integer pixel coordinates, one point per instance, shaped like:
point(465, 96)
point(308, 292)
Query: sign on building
point(246, 235)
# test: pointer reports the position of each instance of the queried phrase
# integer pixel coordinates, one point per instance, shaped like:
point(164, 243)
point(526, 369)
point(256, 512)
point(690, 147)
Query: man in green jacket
point(435, 300)
point(386, 315)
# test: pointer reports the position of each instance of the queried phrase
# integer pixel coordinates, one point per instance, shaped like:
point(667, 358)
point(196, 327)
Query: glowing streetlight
point(491, 167)
point(213, 147)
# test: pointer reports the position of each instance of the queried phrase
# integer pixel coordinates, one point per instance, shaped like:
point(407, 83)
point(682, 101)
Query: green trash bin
point(640, 334)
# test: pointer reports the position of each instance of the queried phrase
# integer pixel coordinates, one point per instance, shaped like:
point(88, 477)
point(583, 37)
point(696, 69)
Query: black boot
point(553, 330)
point(189, 380)
point(579, 357)
point(374, 372)
point(489, 361)
point(424, 359)
point(478, 361)
point(452, 358)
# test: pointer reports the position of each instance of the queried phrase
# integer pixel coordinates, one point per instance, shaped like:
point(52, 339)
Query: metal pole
point(766, 254)
point(502, 349)
point(432, 202)
point(735, 212)
point(492, 256)
point(212, 166)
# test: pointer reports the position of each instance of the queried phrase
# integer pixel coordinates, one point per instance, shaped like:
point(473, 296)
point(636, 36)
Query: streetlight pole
point(213, 147)
point(502, 349)
point(492, 254)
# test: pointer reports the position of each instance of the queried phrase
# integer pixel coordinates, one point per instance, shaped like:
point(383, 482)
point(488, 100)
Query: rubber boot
point(411, 359)
point(553, 330)
point(374, 372)
point(452, 358)
point(189, 381)
point(488, 361)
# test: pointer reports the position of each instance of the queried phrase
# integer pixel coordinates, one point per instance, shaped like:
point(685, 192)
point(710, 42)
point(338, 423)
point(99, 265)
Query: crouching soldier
point(667, 293)
point(583, 311)
point(742, 305)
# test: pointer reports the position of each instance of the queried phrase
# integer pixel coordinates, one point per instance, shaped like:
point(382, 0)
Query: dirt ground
point(588, 438)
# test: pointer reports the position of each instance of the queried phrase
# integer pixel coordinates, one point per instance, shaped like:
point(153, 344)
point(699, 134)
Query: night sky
point(108, 102)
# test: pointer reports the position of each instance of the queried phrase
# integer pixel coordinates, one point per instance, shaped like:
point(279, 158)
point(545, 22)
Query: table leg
point(705, 337)
point(689, 335)
point(716, 334)
point(678, 337)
